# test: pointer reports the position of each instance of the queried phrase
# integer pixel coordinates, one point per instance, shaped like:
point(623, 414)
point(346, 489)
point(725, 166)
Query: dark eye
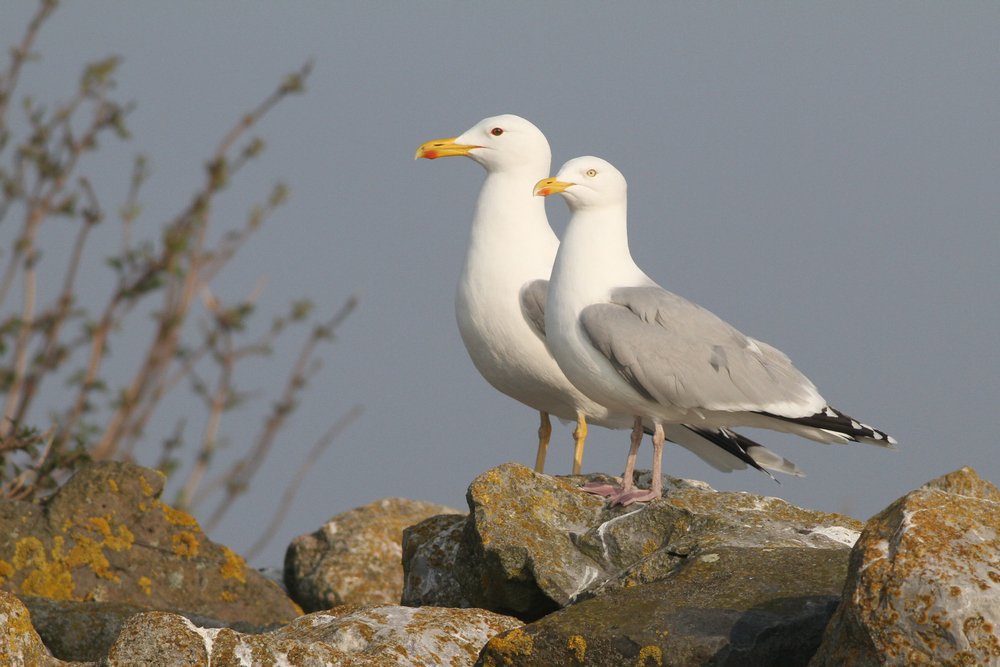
point(496, 131)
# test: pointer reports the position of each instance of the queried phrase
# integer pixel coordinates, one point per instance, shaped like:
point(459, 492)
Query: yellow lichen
point(118, 540)
point(176, 516)
point(578, 646)
point(146, 585)
point(29, 551)
point(67, 524)
point(147, 490)
point(89, 552)
point(113, 485)
point(233, 566)
point(142, 506)
point(185, 544)
point(46, 579)
point(653, 652)
point(6, 571)
point(228, 596)
point(514, 643)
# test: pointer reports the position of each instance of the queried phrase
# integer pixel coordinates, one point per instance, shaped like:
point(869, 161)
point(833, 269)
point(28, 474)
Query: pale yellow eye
point(591, 172)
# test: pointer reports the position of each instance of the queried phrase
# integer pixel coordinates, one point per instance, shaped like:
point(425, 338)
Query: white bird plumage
point(499, 303)
point(631, 345)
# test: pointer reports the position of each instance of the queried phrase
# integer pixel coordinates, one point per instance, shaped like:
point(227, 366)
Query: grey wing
point(679, 354)
point(533, 296)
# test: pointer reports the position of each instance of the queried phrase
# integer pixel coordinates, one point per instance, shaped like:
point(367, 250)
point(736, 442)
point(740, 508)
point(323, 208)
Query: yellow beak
point(442, 148)
point(550, 186)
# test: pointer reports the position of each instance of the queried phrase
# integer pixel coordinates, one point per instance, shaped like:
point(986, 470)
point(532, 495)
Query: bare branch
point(285, 504)
point(236, 480)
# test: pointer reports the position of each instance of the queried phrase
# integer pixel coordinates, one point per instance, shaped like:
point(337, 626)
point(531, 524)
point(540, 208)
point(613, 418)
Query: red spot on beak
point(430, 155)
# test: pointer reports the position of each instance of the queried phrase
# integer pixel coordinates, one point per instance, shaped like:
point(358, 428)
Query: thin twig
point(285, 504)
point(235, 481)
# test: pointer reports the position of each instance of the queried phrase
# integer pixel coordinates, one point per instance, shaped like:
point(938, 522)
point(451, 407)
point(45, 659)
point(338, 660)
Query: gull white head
point(586, 182)
point(498, 143)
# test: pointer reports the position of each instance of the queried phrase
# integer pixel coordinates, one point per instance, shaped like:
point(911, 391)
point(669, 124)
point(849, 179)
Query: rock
point(429, 552)
point(727, 606)
point(361, 637)
point(105, 536)
point(355, 558)
point(534, 543)
point(85, 630)
point(924, 581)
point(20, 645)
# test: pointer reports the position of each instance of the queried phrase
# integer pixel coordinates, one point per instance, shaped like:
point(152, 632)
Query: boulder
point(729, 606)
point(106, 536)
point(924, 581)
point(361, 637)
point(534, 543)
point(85, 630)
point(429, 552)
point(20, 645)
point(355, 558)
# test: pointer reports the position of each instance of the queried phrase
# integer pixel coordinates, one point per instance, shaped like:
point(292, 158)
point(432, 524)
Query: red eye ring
point(496, 131)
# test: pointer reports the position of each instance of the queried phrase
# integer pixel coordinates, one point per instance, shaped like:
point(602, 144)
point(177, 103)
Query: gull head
point(499, 143)
point(586, 182)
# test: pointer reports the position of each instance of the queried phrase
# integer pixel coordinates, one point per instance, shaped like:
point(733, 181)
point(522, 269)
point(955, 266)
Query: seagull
point(636, 348)
point(501, 297)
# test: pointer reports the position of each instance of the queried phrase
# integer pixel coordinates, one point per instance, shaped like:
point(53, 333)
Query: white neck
point(510, 227)
point(594, 257)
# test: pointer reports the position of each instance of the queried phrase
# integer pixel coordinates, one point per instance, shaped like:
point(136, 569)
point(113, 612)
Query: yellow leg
point(544, 432)
point(580, 437)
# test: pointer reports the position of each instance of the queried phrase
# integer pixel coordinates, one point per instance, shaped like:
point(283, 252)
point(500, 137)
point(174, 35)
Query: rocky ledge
point(536, 573)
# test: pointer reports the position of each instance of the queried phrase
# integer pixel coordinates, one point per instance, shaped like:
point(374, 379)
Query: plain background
point(825, 176)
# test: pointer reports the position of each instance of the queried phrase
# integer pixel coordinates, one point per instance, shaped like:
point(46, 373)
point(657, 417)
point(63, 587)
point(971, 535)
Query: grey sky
point(825, 177)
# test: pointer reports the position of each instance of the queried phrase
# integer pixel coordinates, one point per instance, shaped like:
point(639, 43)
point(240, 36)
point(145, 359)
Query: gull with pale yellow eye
point(638, 349)
point(500, 301)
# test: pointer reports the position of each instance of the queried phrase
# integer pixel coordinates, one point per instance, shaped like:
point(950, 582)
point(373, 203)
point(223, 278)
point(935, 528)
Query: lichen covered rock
point(355, 558)
point(107, 536)
point(534, 543)
point(429, 552)
point(726, 606)
point(361, 637)
point(20, 645)
point(924, 582)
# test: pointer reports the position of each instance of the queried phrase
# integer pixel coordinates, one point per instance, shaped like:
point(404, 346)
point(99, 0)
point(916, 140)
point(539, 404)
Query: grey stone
point(105, 536)
point(20, 645)
point(388, 636)
point(355, 558)
point(732, 606)
point(924, 581)
point(534, 543)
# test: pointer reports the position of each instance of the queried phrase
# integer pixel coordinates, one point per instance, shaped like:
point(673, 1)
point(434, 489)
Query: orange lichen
point(233, 566)
point(6, 571)
point(176, 516)
point(578, 647)
point(653, 652)
point(146, 585)
point(514, 643)
point(185, 544)
point(89, 552)
point(46, 579)
point(119, 540)
point(228, 596)
point(29, 551)
point(113, 485)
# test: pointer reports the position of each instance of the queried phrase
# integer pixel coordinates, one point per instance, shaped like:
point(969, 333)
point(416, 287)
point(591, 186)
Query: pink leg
point(609, 491)
point(627, 497)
